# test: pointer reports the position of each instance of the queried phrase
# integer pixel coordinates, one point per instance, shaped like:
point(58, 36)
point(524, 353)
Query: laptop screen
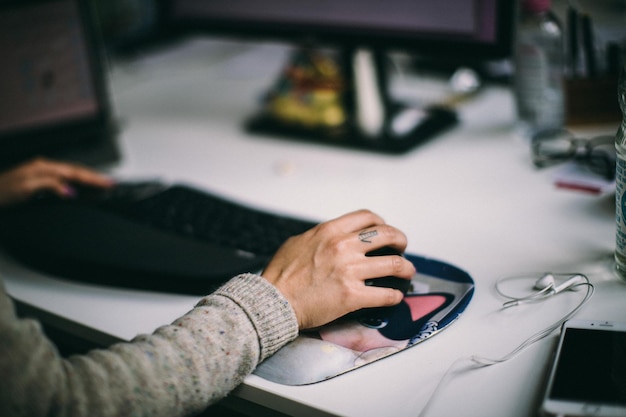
point(53, 92)
point(47, 79)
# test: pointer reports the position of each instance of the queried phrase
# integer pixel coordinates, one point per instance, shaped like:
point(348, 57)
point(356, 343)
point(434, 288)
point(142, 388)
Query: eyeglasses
point(554, 147)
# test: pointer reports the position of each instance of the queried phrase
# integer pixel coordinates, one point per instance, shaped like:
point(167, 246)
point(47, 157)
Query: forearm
point(178, 370)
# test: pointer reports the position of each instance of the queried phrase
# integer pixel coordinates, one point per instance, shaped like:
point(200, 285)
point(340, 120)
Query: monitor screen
point(45, 73)
point(53, 87)
point(462, 29)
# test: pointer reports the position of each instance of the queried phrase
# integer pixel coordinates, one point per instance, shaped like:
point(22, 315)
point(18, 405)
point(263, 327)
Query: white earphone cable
point(476, 361)
point(541, 334)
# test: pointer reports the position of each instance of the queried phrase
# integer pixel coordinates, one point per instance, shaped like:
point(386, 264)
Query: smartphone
point(588, 375)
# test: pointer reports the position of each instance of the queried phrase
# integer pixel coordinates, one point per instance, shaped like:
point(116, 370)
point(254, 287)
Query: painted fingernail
point(69, 191)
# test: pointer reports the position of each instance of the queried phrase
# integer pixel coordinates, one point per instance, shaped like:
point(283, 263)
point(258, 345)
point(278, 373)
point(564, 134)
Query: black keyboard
point(200, 215)
point(145, 235)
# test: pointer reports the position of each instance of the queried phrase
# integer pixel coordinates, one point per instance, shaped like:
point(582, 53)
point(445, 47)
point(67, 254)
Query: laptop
point(53, 95)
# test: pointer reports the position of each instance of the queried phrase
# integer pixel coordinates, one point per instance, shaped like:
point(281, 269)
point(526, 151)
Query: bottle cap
point(536, 6)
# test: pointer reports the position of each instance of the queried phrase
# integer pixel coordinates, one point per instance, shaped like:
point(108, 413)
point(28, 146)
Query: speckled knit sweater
point(178, 370)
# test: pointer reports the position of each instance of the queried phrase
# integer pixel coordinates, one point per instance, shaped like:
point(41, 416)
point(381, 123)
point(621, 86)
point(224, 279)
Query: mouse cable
point(477, 362)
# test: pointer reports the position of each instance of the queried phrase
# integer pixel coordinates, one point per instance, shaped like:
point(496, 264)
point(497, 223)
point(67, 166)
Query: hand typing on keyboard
point(322, 272)
point(42, 175)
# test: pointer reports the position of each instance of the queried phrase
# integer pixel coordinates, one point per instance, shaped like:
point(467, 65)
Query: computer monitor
point(459, 31)
point(465, 29)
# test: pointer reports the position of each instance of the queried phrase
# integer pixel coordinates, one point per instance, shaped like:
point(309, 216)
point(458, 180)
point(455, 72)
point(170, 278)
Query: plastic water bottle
point(620, 179)
point(539, 62)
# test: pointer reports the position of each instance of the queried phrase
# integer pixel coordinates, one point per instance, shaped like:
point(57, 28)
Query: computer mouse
point(370, 315)
point(389, 281)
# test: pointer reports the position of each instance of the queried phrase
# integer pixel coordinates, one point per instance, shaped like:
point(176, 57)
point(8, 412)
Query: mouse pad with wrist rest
point(439, 293)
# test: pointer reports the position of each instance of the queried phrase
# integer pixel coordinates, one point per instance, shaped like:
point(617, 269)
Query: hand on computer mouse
point(38, 175)
point(400, 284)
point(322, 272)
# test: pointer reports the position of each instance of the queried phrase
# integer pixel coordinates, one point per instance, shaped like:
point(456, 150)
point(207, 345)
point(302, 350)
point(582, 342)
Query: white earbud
point(571, 284)
point(546, 283)
point(546, 287)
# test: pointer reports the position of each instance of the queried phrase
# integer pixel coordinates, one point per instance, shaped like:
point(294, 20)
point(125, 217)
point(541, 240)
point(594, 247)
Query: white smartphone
point(588, 376)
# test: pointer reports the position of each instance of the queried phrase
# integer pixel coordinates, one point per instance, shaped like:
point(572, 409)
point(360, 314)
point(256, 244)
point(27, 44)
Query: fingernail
point(69, 191)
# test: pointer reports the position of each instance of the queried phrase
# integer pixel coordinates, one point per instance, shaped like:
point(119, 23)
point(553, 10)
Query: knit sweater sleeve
point(178, 370)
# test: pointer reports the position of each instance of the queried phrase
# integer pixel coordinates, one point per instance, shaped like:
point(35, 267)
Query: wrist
point(270, 312)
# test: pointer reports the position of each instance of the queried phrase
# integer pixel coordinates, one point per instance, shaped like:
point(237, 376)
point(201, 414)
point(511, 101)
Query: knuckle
point(365, 212)
point(334, 245)
point(346, 271)
point(325, 229)
point(368, 216)
point(387, 231)
point(339, 245)
point(397, 264)
point(40, 161)
point(392, 297)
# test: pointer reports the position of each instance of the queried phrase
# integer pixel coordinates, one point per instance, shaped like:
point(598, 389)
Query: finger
point(384, 266)
point(88, 177)
point(378, 297)
point(374, 296)
point(358, 220)
point(55, 185)
point(380, 236)
point(72, 173)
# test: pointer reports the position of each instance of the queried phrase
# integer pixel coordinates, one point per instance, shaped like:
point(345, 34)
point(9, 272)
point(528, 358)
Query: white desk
point(470, 197)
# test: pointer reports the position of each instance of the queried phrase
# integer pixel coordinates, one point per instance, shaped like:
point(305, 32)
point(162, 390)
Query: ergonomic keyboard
point(147, 235)
point(197, 214)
